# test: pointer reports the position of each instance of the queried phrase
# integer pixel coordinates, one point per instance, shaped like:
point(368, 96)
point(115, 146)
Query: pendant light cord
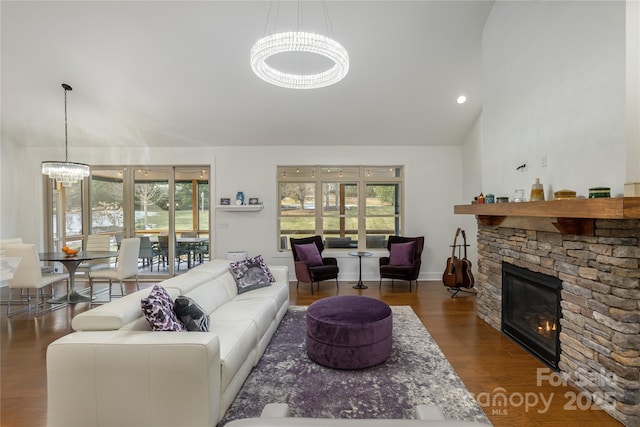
point(66, 145)
point(66, 88)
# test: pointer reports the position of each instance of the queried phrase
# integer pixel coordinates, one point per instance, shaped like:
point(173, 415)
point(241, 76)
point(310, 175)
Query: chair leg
point(312, 287)
point(121, 288)
point(137, 283)
point(297, 283)
point(380, 285)
point(337, 287)
point(9, 303)
point(39, 300)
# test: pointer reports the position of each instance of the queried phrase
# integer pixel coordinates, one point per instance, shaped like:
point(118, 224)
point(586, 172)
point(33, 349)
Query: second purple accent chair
point(403, 272)
point(310, 274)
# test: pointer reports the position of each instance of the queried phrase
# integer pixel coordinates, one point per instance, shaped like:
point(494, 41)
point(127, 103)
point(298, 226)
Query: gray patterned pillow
point(256, 260)
point(249, 275)
point(191, 314)
point(157, 308)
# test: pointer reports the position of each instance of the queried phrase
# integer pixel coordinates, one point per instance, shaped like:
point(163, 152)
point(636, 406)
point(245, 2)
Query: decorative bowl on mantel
point(597, 192)
point(564, 194)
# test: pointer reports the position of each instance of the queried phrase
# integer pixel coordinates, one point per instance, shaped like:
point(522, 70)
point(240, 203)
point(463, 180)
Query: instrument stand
point(459, 247)
point(458, 289)
point(455, 290)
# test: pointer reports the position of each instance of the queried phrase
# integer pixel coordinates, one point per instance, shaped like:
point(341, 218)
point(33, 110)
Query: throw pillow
point(249, 275)
point(191, 314)
point(401, 254)
point(256, 259)
point(157, 308)
point(263, 266)
point(309, 253)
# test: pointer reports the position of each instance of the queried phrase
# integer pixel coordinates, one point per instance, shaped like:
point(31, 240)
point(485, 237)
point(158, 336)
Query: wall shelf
point(240, 208)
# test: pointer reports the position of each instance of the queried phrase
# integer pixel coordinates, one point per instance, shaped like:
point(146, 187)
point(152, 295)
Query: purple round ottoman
point(349, 332)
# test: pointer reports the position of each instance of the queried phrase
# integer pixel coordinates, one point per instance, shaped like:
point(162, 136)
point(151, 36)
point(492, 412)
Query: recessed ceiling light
point(461, 99)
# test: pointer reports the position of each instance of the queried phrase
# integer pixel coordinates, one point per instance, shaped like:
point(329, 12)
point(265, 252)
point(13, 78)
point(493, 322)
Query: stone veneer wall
point(600, 336)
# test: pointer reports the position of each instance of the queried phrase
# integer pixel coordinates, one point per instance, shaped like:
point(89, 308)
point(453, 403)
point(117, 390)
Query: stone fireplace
point(597, 262)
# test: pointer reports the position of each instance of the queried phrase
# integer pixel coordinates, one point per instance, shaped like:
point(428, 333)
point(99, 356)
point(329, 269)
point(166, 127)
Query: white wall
point(8, 189)
point(554, 85)
point(472, 184)
point(633, 90)
point(433, 182)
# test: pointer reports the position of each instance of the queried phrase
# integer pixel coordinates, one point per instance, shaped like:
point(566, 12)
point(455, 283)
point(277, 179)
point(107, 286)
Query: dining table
point(71, 263)
point(191, 243)
point(188, 243)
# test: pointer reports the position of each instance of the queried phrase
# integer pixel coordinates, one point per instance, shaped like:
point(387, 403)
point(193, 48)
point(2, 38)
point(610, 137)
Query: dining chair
point(200, 249)
point(163, 250)
point(28, 275)
point(99, 243)
point(146, 251)
point(127, 267)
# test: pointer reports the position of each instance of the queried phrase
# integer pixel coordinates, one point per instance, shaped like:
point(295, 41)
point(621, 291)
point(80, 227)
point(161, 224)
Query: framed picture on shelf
point(253, 200)
point(224, 201)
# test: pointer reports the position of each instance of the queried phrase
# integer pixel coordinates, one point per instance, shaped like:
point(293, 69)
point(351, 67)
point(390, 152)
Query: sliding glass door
point(166, 206)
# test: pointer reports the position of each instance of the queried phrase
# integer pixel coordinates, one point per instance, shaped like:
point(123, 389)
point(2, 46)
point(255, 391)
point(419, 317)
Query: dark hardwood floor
point(490, 364)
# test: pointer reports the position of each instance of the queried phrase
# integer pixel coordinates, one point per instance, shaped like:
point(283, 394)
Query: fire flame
point(547, 327)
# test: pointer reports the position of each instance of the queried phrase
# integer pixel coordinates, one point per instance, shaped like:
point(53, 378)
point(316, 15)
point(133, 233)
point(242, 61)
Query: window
point(350, 206)
point(128, 201)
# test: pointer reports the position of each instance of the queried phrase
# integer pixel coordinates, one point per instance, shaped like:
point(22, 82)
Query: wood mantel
point(576, 216)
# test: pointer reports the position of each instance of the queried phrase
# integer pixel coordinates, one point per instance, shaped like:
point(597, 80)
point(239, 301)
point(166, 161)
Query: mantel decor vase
point(240, 198)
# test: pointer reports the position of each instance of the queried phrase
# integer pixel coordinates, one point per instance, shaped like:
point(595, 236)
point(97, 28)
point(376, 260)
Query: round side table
point(360, 254)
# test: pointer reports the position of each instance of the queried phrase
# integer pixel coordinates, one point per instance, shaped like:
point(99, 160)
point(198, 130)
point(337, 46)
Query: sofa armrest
point(302, 272)
point(275, 410)
point(105, 378)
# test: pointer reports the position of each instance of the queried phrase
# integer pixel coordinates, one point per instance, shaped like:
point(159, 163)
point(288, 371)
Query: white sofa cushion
point(261, 312)
point(210, 295)
point(188, 281)
point(216, 266)
point(237, 340)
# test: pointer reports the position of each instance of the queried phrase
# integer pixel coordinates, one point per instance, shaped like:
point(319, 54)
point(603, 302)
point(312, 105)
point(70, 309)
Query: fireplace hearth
point(531, 311)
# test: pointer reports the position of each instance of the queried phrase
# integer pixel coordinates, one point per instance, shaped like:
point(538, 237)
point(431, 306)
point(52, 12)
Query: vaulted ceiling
point(177, 73)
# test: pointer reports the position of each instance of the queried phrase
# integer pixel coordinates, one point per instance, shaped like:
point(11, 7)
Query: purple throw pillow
point(309, 253)
point(157, 308)
point(401, 254)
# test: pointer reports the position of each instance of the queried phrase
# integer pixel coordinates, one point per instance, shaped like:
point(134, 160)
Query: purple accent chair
point(307, 274)
point(403, 272)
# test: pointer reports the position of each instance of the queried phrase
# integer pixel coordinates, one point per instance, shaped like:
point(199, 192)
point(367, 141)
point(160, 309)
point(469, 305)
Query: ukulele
point(452, 276)
point(467, 275)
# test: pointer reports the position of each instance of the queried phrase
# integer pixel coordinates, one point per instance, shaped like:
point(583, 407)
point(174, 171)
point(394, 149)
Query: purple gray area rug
point(416, 373)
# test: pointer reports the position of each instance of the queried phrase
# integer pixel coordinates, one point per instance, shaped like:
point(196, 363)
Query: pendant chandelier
point(302, 42)
point(67, 173)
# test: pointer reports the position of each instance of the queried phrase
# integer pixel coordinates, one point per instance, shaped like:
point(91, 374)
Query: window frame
point(360, 176)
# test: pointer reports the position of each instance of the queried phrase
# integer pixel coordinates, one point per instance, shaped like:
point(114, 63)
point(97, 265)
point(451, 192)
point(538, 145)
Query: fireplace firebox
point(531, 311)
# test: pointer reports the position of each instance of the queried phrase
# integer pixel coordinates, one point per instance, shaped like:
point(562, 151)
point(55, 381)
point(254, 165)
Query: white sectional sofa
point(115, 371)
point(279, 415)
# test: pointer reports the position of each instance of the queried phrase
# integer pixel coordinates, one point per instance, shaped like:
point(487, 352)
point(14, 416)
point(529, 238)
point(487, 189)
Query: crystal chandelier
point(67, 173)
point(303, 42)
